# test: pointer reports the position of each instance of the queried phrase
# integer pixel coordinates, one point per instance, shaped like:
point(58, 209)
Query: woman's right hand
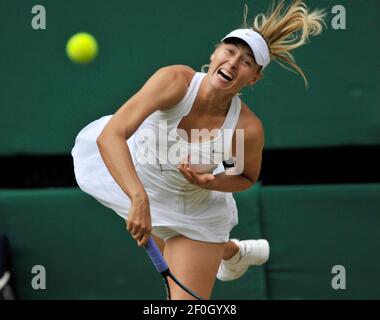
point(139, 222)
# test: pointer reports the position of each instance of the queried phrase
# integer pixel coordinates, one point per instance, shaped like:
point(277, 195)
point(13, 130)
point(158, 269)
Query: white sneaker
point(251, 253)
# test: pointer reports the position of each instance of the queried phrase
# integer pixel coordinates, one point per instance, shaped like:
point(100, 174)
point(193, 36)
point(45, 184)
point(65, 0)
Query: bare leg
point(230, 250)
point(194, 263)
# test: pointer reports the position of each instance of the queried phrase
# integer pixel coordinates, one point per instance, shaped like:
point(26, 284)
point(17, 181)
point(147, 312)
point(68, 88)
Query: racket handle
point(156, 256)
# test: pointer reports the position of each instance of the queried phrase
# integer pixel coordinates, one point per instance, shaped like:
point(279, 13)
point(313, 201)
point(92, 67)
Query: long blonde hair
point(286, 29)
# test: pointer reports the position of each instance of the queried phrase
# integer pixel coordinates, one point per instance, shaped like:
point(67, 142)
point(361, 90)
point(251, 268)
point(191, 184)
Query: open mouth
point(224, 75)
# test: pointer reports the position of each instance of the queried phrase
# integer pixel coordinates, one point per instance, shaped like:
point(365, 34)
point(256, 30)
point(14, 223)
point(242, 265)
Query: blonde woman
point(187, 207)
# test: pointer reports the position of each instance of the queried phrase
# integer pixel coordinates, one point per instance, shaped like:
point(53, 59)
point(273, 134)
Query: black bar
point(334, 165)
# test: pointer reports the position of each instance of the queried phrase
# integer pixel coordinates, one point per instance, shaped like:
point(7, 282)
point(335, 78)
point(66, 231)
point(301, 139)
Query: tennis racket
point(163, 268)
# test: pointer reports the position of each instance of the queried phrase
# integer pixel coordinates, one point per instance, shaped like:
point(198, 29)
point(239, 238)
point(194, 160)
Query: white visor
point(256, 42)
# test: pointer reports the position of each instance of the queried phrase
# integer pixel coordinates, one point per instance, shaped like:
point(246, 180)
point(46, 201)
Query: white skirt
point(199, 215)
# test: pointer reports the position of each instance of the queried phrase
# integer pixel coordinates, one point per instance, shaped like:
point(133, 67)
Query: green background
point(45, 99)
point(88, 254)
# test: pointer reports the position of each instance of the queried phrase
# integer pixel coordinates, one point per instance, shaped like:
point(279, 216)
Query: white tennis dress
point(177, 207)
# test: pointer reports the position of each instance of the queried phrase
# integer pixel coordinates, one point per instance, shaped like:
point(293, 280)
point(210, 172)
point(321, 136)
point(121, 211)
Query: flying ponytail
point(288, 28)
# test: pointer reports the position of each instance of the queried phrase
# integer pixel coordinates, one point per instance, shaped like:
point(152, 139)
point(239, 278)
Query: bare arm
point(235, 179)
point(253, 148)
point(163, 90)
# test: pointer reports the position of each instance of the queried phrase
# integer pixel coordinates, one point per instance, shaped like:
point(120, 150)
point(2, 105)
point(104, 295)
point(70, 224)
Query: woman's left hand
point(203, 180)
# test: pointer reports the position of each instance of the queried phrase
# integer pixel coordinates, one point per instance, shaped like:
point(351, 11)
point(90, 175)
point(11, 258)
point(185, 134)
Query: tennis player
point(187, 205)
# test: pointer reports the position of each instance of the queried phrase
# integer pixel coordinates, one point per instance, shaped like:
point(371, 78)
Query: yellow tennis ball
point(82, 48)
